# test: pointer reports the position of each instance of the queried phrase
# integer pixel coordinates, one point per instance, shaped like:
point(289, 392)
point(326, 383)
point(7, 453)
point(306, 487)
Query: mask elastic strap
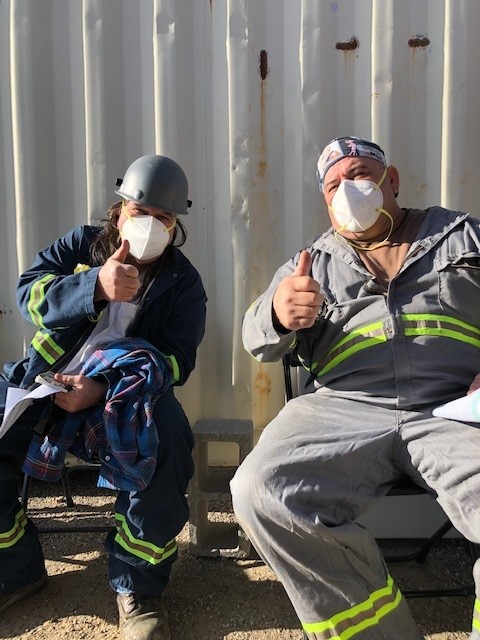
point(382, 178)
point(355, 245)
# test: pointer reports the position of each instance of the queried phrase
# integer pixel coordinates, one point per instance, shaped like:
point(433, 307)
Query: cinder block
point(210, 485)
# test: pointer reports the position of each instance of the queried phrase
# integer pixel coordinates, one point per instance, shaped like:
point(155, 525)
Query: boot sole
point(24, 593)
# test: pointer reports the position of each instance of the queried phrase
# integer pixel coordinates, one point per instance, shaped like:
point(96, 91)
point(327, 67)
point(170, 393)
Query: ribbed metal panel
point(244, 94)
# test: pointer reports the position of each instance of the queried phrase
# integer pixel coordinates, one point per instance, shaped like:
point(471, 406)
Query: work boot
point(7, 598)
point(142, 617)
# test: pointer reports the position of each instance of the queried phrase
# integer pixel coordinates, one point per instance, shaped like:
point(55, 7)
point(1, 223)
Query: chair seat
point(406, 487)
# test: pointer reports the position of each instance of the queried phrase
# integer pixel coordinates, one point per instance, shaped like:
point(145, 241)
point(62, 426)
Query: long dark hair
point(108, 240)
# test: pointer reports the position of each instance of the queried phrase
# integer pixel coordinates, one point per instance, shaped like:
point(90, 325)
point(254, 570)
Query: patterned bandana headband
point(346, 147)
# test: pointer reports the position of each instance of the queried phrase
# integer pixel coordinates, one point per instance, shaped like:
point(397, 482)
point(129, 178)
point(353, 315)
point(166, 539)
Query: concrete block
point(209, 491)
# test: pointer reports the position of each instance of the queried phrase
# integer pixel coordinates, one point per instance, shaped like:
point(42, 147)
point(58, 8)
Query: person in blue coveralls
point(383, 311)
point(119, 312)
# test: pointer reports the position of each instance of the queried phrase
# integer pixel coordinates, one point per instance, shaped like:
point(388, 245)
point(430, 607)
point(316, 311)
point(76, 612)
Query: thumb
point(304, 264)
point(122, 252)
point(65, 378)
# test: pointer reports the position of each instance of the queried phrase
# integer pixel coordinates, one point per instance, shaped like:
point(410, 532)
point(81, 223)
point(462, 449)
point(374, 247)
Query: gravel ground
point(214, 598)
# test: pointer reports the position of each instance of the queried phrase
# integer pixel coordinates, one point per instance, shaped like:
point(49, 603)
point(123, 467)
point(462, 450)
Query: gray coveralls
point(382, 361)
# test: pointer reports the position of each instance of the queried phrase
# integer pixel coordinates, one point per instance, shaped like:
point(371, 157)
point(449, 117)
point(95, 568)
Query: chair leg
point(420, 554)
point(25, 491)
point(27, 481)
point(468, 590)
point(66, 487)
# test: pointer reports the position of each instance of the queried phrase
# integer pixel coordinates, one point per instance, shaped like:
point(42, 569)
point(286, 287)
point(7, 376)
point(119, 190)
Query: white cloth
point(465, 409)
point(112, 326)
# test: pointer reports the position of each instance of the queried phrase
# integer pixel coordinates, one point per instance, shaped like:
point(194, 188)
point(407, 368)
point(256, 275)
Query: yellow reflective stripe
point(348, 623)
point(356, 341)
point(476, 615)
point(423, 324)
point(9, 538)
point(44, 344)
point(140, 548)
point(439, 318)
point(175, 368)
point(37, 296)
point(415, 324)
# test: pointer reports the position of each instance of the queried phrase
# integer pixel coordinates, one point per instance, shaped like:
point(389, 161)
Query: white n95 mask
point(147, 236)
point(357, 204)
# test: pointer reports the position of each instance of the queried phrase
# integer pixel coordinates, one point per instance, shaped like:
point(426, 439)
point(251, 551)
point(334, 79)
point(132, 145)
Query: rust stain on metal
point(419, 42)
point(263, 383)
point(262, 168)
point(263, 58)
point(262, 165)
point(350, 45)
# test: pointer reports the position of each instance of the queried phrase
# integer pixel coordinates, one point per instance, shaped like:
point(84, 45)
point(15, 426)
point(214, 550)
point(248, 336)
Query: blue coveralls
point(382, 361)
point(56, 293)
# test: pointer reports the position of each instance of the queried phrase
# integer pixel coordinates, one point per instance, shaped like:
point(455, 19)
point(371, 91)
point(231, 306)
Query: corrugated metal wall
point(244, 94)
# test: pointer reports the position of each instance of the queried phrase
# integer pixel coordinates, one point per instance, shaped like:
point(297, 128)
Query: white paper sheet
point(465, 409)
point(18, 400)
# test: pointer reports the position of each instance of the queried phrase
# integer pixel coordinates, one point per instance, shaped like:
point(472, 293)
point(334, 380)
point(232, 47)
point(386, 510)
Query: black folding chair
point(404, 487)
point(71, 464)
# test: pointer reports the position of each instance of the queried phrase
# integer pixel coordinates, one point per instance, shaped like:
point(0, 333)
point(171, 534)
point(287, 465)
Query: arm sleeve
point(260, 338)
point(183, 329)
point(58, 289)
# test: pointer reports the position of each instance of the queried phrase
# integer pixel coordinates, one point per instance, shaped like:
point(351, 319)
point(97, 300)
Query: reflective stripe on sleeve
point(9, 538)
point(175, 368)
point(141, 548)
point(37, 296)
point(44, 344)
point(348, 623)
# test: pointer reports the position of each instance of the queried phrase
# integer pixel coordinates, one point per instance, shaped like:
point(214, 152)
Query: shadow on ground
point(214, 598)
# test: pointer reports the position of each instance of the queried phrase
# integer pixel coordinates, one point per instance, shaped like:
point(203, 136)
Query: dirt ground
point(207, 598)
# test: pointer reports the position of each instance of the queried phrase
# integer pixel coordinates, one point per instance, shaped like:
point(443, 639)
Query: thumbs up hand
point(120, 255)
point(117, 281)
point(297, 300)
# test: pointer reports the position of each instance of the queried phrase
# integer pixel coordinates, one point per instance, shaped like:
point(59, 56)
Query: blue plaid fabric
point(122, 434)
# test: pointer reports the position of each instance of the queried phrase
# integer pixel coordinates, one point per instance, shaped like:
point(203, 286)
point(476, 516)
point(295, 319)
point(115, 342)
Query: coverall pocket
point(459, 284)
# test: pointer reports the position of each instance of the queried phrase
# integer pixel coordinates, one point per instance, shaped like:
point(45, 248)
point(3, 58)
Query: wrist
point(277, 325)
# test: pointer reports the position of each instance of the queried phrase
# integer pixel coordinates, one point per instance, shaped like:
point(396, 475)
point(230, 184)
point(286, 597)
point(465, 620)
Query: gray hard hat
point(156, 181)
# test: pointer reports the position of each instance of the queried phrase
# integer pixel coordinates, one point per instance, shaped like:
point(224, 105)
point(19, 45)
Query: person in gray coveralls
point(384, 311)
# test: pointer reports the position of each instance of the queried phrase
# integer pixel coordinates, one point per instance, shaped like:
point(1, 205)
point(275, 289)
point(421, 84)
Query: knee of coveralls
point(313, 468)
point(244, 488)
point(143, 547)
point(21, 557)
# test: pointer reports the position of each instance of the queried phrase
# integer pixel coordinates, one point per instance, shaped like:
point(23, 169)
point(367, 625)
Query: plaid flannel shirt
point(122, 434)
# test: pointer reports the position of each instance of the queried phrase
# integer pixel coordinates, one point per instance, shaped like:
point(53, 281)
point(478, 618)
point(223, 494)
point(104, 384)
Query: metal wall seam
point(94, 87)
